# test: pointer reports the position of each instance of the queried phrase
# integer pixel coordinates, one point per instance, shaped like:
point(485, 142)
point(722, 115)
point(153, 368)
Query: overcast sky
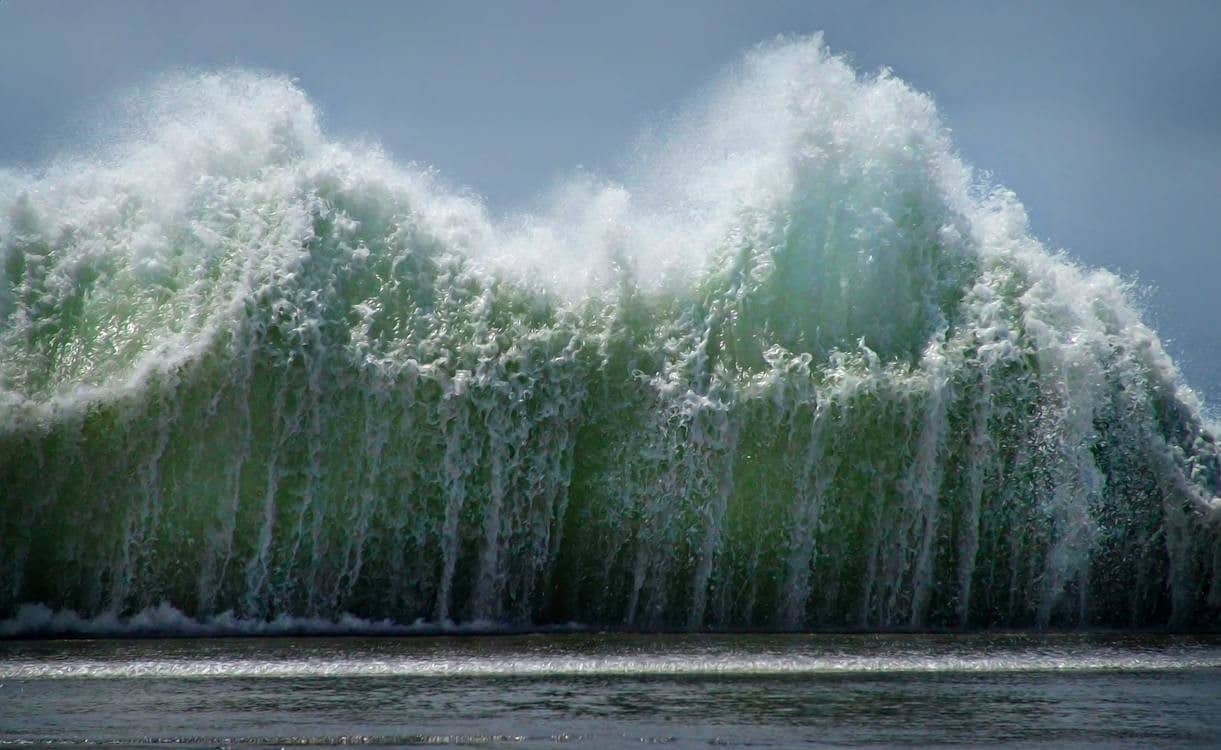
point(1105, 118)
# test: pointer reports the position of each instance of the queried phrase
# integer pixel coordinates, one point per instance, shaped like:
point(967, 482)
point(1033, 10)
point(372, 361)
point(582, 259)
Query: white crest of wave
point(792, 129)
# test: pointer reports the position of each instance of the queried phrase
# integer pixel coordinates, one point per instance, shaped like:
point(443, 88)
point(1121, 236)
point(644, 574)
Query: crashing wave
point(799, 370)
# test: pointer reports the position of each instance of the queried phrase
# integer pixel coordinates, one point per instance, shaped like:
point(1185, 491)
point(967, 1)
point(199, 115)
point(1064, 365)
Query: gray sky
point(1105, 117)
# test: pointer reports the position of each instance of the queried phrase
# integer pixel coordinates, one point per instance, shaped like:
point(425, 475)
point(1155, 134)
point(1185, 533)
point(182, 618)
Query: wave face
point(799, 370)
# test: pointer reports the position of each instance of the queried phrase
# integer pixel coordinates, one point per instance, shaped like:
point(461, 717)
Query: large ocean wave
point(800, 369)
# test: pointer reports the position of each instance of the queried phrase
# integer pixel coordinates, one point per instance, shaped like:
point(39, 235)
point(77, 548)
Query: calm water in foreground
point(584, 690)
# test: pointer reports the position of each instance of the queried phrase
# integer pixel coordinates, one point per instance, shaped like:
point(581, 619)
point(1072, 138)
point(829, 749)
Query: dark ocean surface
point(600, 690)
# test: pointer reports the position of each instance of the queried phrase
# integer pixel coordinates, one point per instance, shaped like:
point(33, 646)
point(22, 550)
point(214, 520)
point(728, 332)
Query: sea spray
point(799, 370)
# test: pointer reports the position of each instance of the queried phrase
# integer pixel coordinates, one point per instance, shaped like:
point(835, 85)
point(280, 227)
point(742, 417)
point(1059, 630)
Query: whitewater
point(800, 368)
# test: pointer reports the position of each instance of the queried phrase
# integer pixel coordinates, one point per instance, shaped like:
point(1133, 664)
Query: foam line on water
point(659, 665)
point(36, 620)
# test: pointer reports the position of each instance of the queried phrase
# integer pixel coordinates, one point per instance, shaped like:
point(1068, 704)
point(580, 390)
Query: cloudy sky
point(1105, 118)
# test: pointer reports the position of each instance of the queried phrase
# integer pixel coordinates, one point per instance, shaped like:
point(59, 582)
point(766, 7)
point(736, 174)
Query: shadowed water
point(599, 690)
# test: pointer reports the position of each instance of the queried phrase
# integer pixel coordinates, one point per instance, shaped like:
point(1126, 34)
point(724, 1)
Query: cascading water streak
point(801, 369)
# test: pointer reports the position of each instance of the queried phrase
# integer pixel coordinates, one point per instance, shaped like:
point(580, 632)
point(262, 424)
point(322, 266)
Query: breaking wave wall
point(799, 369)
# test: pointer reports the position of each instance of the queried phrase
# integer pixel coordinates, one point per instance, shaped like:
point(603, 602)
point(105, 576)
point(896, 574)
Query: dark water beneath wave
point(584, 690)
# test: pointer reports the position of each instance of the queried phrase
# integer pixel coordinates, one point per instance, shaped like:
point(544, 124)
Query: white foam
point(38, 620)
